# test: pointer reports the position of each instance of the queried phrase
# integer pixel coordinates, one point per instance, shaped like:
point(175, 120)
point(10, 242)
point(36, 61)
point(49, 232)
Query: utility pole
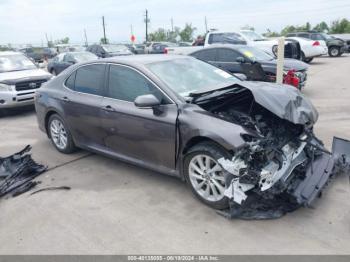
point(172, 25)
point(86, 41)
point(206, 24)
point(104, 30)
point(146, 21)
point(47, 40)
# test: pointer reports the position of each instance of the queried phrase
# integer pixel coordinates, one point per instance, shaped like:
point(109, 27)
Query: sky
point(27, 21)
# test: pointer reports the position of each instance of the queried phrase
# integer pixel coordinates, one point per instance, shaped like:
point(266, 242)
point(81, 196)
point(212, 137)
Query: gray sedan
point(232, 141)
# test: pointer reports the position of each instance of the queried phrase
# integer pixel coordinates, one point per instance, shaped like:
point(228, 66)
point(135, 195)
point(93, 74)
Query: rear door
point(206, 55)
point(227, 60)
point(143, 135)
point(83, 102)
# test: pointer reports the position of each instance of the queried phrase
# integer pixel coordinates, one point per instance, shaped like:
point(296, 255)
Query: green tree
point(62, 41)
point(104, 41)
point(288, 29)
point(270, 33)
point(159, 35)
point(187, 33)
point(340, 26)
point(321, 27)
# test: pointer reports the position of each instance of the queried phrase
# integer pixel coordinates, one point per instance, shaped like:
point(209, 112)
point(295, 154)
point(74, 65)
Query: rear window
point(226, 38)
point(89, 79)
point(70, 81)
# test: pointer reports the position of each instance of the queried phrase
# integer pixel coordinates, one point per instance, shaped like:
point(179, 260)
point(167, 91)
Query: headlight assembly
point(5, 88)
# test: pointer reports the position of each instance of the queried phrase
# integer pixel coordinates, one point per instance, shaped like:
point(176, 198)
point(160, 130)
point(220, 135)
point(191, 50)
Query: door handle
point(65, 99)
point(108, 108)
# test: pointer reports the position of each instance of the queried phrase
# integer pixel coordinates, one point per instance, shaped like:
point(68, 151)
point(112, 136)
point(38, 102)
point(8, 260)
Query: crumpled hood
point(285, 101)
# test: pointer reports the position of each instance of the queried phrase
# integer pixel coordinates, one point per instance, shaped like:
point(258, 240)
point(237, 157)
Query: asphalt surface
point(116, 208)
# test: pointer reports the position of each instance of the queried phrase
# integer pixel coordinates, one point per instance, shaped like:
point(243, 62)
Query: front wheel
point(204, 174)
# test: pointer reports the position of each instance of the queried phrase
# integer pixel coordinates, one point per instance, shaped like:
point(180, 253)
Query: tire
point(334, 51)
point(308, 60)
point(201, 183)
point(59, 134)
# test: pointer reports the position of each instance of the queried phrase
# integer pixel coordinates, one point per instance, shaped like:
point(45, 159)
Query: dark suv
point(336, 46)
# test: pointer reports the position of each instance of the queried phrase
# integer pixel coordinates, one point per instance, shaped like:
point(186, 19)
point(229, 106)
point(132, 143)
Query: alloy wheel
point(58, 134)
point(207, 177)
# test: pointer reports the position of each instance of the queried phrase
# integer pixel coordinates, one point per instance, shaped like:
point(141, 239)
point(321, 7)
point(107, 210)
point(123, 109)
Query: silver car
point(19, 78)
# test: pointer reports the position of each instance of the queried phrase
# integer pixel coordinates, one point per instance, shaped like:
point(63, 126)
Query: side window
point(316, 37)
point(68, 57)
point(127, 84)
point(290, 35)
point(60, 57)
point(206, 55)
point(89, 79)
point(304, 35)
point(70, 81)
point(227, 55)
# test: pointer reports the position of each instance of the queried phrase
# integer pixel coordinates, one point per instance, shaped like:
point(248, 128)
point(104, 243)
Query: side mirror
point(240, 59)
point(146, 101)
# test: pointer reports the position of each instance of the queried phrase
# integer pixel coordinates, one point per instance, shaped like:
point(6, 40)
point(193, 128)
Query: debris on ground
point(51, 188)
point(17, 173)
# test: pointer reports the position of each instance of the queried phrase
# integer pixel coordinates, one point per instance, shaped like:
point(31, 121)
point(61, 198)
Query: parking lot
point(114, 207)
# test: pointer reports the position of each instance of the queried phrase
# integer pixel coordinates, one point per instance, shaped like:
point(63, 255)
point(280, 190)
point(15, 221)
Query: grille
point(28, 85)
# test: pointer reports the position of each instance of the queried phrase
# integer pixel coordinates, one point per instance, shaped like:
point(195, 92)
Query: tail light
point(165, 50)
point(291, 79)
point(316, 43)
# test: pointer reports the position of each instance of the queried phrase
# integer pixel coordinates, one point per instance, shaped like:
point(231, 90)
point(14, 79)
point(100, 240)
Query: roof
point(142, 59)
point(227, 46)
point(10, 53)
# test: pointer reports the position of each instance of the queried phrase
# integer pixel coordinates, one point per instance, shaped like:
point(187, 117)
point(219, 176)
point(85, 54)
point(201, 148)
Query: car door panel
point(227, 60)
point(82, 107)
point(145, 135)
point(140, 134)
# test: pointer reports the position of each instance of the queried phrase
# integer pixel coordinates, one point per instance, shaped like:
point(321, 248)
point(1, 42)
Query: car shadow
point(26, 110)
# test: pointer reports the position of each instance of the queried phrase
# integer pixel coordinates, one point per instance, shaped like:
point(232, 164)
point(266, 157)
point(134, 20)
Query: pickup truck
point(243, 37)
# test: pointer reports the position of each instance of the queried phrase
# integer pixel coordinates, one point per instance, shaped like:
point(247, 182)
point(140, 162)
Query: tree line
point(340, 26)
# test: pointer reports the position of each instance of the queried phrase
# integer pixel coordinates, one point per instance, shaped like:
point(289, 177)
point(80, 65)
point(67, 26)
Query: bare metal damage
point(282, 165)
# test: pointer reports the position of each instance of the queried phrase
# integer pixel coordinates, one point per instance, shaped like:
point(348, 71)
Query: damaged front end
point(282, 165)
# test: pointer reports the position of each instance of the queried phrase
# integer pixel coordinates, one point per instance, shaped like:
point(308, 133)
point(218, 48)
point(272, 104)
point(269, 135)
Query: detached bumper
point(321, 170)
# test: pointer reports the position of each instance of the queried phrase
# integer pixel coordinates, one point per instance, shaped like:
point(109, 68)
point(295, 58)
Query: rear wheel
point(205, 176)
point(60, 135)
point(334, 51)
point(306, 59)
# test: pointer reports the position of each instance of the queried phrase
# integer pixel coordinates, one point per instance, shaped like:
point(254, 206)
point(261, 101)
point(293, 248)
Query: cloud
point(27, 21)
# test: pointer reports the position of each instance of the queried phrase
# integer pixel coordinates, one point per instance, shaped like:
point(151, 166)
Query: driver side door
point(145, 136)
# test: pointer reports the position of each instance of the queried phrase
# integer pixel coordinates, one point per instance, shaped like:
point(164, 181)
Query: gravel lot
point(116, 208)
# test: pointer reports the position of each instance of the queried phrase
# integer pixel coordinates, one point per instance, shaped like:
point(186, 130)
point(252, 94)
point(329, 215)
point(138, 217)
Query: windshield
point(255, 54)
point(15, 62)
point(115, 48)
point(188, 75)
point(84, 56)
point(251, 35)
